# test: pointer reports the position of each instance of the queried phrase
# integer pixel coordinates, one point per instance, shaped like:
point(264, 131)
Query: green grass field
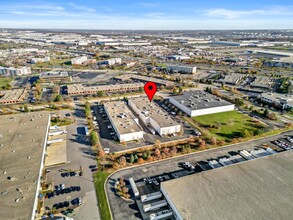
point(227, 125)
point(4, 81)
point(99, 179)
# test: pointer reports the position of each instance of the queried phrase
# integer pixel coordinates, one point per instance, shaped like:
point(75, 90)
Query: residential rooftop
point(122, 117)
point(198, 99)
point(152, 110)
point(258, 189)
point(22, 141)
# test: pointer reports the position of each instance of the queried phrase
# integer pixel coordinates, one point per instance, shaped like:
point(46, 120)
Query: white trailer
point(246, 155)
point(259, 153)
point(214, 164)
point(133, 187)
point(54, 141)
point(155, 205)
point(271, 151)
point(151, 196)
point(225, 161)
point(161, 215)
point(57, 133)
point(54, 127)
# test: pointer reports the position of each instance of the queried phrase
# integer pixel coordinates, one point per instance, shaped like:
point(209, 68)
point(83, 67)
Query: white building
point(124, 123)
point(40, 60)
point(182, 69)
point(111, 62)
point(78, 60)
point(195, 103)
point(284, 101)
point(12, 71)
point(153, 116)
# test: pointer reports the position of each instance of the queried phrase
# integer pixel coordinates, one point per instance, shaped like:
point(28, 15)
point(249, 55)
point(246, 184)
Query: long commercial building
point(78, 60)
point(12, 71)
point(123, 121)
point(152, 115)
point(55, 76)
point(79, 89)
point(258, 189)
point(181, 69)
point(12, 96)
point(111, 62)
point(284, 101)
point(195, 103)
point(22, 154)
point(141, 78)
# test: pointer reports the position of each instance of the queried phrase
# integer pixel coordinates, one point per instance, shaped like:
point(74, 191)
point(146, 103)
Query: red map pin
point(150, 89)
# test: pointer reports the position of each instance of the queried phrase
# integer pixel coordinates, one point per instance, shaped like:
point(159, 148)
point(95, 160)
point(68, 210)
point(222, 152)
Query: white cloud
point(227, 13)
point(82, 8)
point(149, 4)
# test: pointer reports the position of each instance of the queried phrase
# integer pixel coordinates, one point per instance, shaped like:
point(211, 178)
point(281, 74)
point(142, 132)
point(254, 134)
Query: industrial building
point(22, 154)
point(111, 62)
point(233, 78)
point(141, 78)
point(153, 116)
point(12, 96)
point(195, 103)
point(12, 71)
point(258, 189)
point(55, 76)
point(181, 69)
point(283, 101)
point(123, 121)
point(78, 60)
point(79, 89)
point(262, 82)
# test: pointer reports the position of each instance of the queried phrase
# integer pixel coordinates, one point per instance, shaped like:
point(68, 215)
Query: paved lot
point(79, 155)
point(108, 140)
point(128, 210)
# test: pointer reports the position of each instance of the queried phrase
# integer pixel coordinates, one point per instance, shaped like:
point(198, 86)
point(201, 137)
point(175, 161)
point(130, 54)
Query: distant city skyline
point(147, 15)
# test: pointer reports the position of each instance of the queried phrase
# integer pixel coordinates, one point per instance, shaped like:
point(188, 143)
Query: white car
point(107, 150)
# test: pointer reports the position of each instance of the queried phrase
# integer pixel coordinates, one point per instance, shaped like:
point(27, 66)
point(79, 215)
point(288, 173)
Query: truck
point(86, 130)
point(151, 196)
point(155, 205)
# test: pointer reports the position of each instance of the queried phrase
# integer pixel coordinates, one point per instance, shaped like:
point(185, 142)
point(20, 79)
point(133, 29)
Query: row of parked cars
point(62, 190)
point(283, 144)
point(66, 204)
point(186, 165)
point(69, 174)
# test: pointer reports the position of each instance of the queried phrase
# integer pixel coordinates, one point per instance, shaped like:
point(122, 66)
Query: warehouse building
point(181, 69)
point(111, 62)
point(195, 103)
point(79, 89)
point(12, 71)
point(281, 100)
point(22, 154)
point(123, 121)
point(12, 96)
point(78, 60)
point(55, 76)
point(259, 189)
point(141, 78)
point(152, 115)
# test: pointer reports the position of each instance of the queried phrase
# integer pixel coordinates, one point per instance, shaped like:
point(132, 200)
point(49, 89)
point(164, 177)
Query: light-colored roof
point(11, 95)
point(152, 110)
point(122, 117)
point(22, 137)
point(258, 189)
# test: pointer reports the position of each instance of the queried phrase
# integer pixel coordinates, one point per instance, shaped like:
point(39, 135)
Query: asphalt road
point(127, 210)
point(79, 154)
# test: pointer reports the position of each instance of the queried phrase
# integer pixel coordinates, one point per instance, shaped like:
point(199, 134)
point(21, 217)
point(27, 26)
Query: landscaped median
point(99, 179)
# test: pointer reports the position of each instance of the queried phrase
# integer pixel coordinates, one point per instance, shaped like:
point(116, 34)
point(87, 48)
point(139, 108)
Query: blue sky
point(153, 15)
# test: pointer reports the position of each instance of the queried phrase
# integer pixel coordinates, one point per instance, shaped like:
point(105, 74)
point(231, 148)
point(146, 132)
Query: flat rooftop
point(145, 79)
point(11, 95)
point(54, 74)
point(256, 189)
point(82, 88)
point(22, 137)
point(122, 117)
point(196, 100)
point(152, 110)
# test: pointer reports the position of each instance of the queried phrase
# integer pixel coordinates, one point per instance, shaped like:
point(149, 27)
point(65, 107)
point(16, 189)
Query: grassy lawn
point(99, 179)
point(4, 81)
point(227, 125)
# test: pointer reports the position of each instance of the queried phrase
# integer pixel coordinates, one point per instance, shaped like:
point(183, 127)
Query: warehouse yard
point(228, 125)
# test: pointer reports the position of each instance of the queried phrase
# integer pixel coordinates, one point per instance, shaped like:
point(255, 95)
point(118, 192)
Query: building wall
point(199, 112)
point(176, 213)
point(184, 69)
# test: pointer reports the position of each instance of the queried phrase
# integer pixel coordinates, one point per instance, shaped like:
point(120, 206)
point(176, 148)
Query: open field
point(228, 125)
point(4, 81)
point(99, 179)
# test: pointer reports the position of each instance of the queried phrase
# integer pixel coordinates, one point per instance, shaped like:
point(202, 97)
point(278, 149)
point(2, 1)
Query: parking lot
point(74, 192)
point(110, 140)
point(145, 175)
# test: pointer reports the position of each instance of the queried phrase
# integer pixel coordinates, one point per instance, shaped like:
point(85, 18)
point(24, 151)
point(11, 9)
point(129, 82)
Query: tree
point(266, 112)
point(157, 143)
point(122, 161)
point(140, 160)
point(213, 141)
point(25, 108)
point(94, 138)
point(140, 89)
point(157, 153)
point(58, 98)
point(180, 90)
point(100, 93)
point(131, 159)
point(102, 154)
point(245, 134)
